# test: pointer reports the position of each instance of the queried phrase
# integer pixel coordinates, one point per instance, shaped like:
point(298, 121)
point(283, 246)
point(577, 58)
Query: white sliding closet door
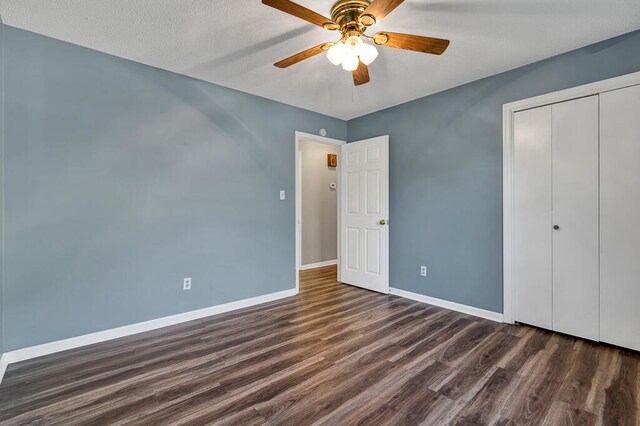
point(574, 141)
point(532, 219)
point(620, 211)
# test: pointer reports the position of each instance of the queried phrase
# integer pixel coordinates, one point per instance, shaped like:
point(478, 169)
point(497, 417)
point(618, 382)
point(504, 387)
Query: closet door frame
point(508, 113)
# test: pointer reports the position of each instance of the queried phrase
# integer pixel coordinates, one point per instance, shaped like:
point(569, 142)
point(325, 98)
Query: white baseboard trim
point(318, 265)
point(465, 309)
point(128, 330)
point(3, 366)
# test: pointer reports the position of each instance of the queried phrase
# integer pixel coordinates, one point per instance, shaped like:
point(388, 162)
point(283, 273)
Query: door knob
point(556, 227)
point(382, 222)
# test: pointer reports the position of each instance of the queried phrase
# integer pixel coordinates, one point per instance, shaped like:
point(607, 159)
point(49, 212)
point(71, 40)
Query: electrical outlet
point(423, 271)
point(186, 284)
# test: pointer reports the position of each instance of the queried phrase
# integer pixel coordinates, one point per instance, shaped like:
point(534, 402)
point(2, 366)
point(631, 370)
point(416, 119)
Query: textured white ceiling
point(235, 42)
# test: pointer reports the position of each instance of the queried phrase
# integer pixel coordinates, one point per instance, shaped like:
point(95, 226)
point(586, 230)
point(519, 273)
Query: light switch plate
point(283, 195)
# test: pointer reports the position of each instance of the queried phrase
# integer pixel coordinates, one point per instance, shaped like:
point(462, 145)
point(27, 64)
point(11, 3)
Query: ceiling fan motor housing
point(346, 14)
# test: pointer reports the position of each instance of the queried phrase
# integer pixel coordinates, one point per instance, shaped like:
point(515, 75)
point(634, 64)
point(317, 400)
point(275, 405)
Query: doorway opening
point(317, 202)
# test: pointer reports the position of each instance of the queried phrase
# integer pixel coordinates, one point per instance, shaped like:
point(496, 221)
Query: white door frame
point(508, 112)
point(298, 219)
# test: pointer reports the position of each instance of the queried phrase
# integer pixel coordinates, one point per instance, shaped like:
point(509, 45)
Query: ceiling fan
point(351, 18)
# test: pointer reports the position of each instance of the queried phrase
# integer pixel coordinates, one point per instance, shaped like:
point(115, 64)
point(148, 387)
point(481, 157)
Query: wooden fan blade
point(301, 12)
point(435, 46)
point(379, 9)
point(306, 54)
point(361, 75)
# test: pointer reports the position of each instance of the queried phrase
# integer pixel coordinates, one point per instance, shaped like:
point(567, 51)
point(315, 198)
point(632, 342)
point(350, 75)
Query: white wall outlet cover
point(323, 132)
point(186, 284)
point(283, 195)
point(423, 271)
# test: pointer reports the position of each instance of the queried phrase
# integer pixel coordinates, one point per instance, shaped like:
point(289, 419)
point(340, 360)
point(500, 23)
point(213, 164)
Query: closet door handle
point(556, 227)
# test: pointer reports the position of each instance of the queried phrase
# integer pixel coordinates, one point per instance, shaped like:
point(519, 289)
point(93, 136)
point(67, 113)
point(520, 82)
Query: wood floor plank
point(469, 340)
point(369, 400)
point(621, 403)
point(541, 388)
point(563, 414)
point(334, 354)
point(477, 365)
point(203, 409)
point(577, 384)
point(394, 410)
point(536, 341)
point(483, 408)
point(444, 331)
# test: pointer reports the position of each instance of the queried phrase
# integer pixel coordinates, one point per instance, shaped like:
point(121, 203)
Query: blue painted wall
point(121, 179)
point(446, 171)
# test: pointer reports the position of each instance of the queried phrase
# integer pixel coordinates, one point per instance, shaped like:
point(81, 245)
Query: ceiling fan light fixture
point(350, 63)
point(336, 54)
point(354, 45)
point(369, 54)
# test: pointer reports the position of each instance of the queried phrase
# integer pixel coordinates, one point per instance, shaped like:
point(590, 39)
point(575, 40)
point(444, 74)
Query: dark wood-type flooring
point(335, 354)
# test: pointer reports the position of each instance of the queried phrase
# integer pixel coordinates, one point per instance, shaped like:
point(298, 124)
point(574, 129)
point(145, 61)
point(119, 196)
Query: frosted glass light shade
point(353, 45)
point(336, 53)
point(350, 63)
point(369, 54)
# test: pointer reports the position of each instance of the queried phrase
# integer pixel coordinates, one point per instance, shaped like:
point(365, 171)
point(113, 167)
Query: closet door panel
point(532, 220)
point(575, 214)
point(619, 215)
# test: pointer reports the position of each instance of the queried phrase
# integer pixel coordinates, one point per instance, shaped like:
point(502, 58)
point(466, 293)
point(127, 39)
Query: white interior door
point(532, 217)
point(364, 214)
point(619, 214)
point(575, 217)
